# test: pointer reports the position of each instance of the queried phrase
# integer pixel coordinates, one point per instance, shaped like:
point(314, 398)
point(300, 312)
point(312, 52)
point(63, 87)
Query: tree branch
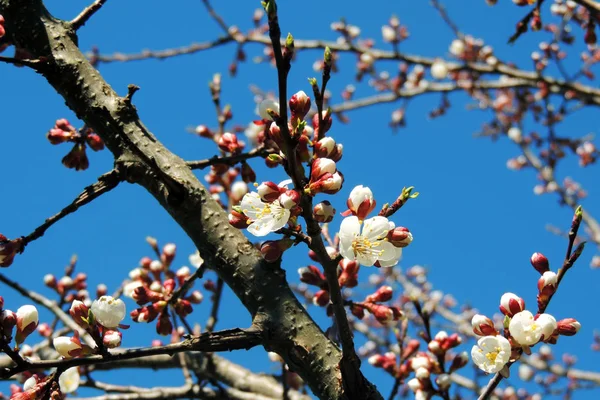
point(230, 160)
point(291, 332)
point(227, 340)
point(86, 14)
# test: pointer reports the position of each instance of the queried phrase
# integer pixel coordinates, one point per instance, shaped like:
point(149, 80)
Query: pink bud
point(510, 304)
point(299, 106)
point(321, 166)
point(324, 212)
point(238, 220)
point(483, 326)
point(94, 141)
point(568, 326)
point(400, 236)
point(382, 294)
point(269, 191)
point(183, 308)
point(112, 339)
point(289, 199)
point(8, 250)
point(361, 202)
point(311, 275)
point(327, 148)
point(327, 121)
point(80, 313)
point(27, 321)
point(271, 251)
point(228, 142)
point(540, 262)
point(321, 298)
point(164, 326)
point(548, 282)
point(203, 131)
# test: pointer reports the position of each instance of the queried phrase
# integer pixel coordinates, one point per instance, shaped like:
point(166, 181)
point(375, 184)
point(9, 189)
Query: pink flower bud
point(289, 199)
point(323, 212)
point(568, 326)
point(168, 253)
point(299, 106)
point(483, 326)
point(510, 304)
point(361, 202)
point(357, 311)
point(164, 326)
point(271, 251)
point(238, 219)
point(80, 313)
point(327, 121)
point(320, 167)
point(540, 262)
point(77, 158)
point(269, 191)
point(349, 275)
point(459, 361)
point(228, 142)
point(321, 298)
point(168, 287)
point(203, 131)
point(183, 308)
point(27, 321)
point(385, 361)
point(382, 294)
point(311, 275)
point(68, 347)
point(8, 250)
point(195, 297)
point(548, 282)
point(58, 136)
point(112, 339)
point(8, 320)
point(94, 141)
point(327, 148)
point(2, 29)
point(400, 236)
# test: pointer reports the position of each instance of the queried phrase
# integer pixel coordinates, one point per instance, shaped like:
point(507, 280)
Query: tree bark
point(142, 159)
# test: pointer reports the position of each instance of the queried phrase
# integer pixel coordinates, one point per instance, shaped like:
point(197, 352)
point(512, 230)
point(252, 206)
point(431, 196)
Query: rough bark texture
point(143, 160)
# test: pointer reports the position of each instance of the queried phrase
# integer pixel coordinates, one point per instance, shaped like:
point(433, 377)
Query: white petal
point(376, 228)
point(69, 380)
point(368, 260)
point(260, 228)
point(349, 228)
point(280, 219)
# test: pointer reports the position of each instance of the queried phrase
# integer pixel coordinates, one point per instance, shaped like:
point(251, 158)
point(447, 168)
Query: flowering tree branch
point(144, 160)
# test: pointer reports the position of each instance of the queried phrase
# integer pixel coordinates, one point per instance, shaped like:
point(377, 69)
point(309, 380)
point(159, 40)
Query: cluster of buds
point(267, 210)
point(588, 153)
point(25, 320)
point(9, 249)
point(385, 315)
point(39, 386)
point(153, 286)
point(101, 320)
point(521, 328)
point(348, 32)
point(347, 274)
point(394, 32)
point(222, 180)
point(470, 49)
point(324, 177)
point(64, 132)
point(71, 286)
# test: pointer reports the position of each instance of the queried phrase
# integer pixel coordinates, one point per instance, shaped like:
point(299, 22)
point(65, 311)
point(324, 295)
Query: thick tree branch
point(144, 160)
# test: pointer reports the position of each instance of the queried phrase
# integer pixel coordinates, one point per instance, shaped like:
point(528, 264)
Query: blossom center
point(492, 355)
point(363, 246)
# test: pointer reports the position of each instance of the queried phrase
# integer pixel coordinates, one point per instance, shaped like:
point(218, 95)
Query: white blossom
point(265, 105)
point(66, 346)
point(457, 47)
point(196, 260)
point(369, 244)
point(27, 315)
point(263, 217)
point(388, 33)
point(108, 311)
point(491, 353)
point(439, 69)
point(527, 331)
point(69, 380)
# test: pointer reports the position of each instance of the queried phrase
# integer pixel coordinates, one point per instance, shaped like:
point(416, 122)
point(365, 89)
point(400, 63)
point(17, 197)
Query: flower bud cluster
point(8, 250)
point(155, 286)
point(64, 132)
point(385, 315)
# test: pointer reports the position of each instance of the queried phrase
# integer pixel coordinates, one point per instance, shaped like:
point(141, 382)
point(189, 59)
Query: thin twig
point(86, 14)
point(230, 160)
point(216, 301)
point(106, 183)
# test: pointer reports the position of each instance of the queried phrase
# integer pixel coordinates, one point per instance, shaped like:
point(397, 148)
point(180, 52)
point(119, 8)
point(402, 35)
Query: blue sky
point(475, 224)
